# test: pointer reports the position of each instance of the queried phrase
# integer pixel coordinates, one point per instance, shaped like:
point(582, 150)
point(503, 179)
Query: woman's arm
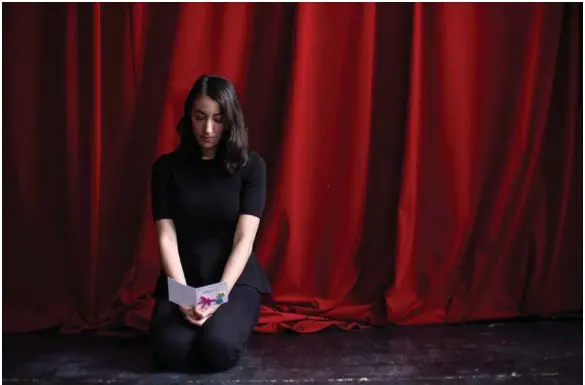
point(253, 197)
point(169, 255)
point(162, 215)
point(169, 251)
point(243, 243)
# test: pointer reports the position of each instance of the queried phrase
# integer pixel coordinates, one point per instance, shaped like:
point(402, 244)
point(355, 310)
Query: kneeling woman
point(207, 200)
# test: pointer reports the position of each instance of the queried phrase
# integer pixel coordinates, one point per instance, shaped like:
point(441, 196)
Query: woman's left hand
point(198, 317)
point(198, 322)
point(201, 312)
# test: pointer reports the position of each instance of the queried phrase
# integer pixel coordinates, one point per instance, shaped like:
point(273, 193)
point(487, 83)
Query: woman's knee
point(172, 351)
point(219, 353)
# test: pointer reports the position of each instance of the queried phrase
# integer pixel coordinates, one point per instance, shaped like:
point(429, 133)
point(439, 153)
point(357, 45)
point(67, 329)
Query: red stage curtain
point(424, 160)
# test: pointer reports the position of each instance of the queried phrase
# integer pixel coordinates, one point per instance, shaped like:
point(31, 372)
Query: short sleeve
point(160, 182)
point(253, 195)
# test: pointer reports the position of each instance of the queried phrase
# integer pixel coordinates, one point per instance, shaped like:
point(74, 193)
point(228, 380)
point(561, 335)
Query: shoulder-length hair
point(233, 145)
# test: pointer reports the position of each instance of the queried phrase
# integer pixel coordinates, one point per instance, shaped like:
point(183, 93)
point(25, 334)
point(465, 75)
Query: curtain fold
point(424, 160)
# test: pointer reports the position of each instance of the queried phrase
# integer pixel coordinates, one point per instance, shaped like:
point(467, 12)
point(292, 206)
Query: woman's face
point(207, 124)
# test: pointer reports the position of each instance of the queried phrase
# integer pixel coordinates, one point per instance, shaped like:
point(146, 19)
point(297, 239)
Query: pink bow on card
point(205, 301)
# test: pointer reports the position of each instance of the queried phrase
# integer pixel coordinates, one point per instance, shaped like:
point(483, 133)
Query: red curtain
point(424, 159)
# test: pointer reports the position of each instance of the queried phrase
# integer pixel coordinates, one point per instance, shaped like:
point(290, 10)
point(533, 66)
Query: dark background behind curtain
point(425, 161)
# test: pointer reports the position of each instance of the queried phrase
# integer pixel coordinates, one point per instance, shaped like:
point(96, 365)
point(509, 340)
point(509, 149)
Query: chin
point(208, 146)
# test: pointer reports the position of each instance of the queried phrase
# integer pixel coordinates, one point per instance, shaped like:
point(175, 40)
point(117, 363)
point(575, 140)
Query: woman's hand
point(188, 314)
point(198, 315)
point(204, 312)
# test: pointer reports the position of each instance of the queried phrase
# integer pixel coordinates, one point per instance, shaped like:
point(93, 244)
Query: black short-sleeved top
point(205, 201)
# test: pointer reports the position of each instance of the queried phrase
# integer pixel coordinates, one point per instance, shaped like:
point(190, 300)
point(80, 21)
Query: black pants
point(216, 346)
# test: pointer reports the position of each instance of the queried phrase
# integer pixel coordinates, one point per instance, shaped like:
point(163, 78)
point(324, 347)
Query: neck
point(207, 154)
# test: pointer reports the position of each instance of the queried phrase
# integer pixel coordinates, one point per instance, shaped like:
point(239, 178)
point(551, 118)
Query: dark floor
point(544, 352)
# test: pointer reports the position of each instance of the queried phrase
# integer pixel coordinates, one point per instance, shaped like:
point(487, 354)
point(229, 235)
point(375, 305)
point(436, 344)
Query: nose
point(209, 127)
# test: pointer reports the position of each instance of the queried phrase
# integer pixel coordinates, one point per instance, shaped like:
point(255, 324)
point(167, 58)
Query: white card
point(204, 296)
point(180, 294)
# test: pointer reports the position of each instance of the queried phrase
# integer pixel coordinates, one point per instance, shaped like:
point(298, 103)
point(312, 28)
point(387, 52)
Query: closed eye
point(200, 115)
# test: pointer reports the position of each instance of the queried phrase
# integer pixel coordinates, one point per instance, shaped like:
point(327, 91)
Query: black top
point(204, 201)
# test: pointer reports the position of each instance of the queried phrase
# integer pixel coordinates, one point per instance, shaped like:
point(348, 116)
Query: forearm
point(170, 260)
point(236, 263)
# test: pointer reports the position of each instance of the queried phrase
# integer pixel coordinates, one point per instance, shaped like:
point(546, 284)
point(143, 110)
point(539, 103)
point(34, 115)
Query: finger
point(201, 313)
point(201, 321)
point(187, 309)
point(192, 320)
point(208, 313)
point(185, 312)
point(195, 314)
point(212, 310)
point(197, 323)
point(188, 314)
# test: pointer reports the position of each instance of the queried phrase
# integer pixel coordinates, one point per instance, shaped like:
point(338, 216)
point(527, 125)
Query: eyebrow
point(204, 113)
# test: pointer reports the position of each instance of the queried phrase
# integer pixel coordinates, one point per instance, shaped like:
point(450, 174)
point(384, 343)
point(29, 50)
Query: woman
point(207, 200)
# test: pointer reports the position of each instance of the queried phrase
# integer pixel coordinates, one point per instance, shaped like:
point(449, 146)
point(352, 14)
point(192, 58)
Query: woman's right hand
point(192, 317)
point(188, 313)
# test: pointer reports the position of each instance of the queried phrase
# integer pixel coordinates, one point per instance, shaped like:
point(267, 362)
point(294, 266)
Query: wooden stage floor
point(535, 352)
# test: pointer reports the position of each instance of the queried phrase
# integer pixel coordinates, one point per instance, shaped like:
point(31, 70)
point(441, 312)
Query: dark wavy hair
point(233, 145)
